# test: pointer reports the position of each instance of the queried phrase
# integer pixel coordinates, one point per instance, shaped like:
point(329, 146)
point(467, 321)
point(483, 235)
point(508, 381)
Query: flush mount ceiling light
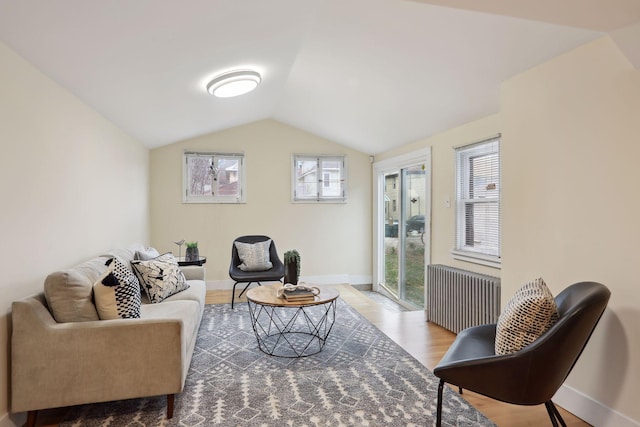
point(233, 83)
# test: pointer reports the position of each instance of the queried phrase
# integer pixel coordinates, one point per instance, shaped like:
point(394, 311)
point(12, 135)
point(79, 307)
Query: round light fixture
point(233, 83)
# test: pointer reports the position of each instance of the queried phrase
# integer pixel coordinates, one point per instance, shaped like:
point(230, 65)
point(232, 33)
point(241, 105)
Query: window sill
point(487, 260)
point(320, 201)
point(219, 202)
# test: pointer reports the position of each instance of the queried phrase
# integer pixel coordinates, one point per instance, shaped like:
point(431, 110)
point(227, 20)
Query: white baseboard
point(330, 279)
point(590, 410)
point(13, 420)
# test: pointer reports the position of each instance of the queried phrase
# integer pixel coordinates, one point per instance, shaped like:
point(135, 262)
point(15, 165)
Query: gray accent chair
point(275, 274)
point(532, 375)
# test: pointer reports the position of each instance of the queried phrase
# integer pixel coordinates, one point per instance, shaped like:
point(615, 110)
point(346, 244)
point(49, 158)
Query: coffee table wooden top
point(267, 295)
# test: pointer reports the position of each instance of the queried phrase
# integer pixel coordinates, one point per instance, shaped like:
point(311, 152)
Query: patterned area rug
point(360, 378)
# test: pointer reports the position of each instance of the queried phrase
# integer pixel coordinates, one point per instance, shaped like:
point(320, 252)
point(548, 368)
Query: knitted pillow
point(160, 277)
point(117, 292)
point(254, 256)
point(528, 315)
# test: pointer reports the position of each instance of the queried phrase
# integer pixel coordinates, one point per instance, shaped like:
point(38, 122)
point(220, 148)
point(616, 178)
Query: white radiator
point(457, 299)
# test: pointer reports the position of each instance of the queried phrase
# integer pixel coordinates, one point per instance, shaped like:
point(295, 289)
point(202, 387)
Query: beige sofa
point(57, 364)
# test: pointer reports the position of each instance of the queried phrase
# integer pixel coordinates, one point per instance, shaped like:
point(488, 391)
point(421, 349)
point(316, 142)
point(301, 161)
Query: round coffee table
point(291, 329)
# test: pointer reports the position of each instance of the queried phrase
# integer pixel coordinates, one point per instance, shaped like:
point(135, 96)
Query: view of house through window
point(405, 226)
point(478, 201)
point(319, 178)
point(213, 178)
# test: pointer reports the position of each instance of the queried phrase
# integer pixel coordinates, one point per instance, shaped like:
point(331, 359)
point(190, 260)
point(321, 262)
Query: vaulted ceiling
point(368, 74)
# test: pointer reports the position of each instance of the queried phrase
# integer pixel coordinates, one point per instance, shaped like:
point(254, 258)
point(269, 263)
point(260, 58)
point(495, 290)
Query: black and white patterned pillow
point(117, 292)
point(160, 277)
point(254, 256)
point(529, 314)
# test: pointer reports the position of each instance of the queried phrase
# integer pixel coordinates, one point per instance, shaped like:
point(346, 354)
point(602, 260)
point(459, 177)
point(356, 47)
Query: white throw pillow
point(117, 292)
point(147, 254)
point(160, 277)
point(254, 256)
point(528, 315)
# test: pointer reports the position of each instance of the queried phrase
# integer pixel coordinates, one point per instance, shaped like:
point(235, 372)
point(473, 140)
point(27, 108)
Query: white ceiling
point(368, 74)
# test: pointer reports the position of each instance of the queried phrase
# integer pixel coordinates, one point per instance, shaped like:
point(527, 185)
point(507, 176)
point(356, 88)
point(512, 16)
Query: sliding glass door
point(403, 199)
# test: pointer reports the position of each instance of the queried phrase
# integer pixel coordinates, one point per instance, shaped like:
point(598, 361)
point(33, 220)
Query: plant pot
point(192, 254)
point(291, 273)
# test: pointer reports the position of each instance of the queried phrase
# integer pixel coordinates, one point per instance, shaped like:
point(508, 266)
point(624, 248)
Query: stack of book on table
point(299, 295)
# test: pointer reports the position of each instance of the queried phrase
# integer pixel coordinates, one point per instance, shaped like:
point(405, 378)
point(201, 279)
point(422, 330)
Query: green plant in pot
point(291, 267)
point(192, 251)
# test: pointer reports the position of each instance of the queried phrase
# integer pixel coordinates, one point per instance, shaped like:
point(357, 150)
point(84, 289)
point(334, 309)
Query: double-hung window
point(213, 178)
point(318, 178)
point(478, 189)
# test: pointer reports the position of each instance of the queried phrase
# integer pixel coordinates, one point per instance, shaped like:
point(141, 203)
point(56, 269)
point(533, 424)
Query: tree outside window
point(213, 178)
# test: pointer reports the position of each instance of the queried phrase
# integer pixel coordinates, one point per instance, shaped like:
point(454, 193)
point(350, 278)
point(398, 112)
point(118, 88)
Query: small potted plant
point(291, 267)
point(192, 252)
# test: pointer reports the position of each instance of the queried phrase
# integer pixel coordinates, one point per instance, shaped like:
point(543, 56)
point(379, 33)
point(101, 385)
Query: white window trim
point(470, 255)
point(318, 198)
point(215, 198)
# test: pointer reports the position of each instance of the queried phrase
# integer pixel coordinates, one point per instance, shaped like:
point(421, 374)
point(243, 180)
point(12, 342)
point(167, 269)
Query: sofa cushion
point(69, 293)
point(254, 256)
point(117, 292)
point(529, 314)
point(160, 277)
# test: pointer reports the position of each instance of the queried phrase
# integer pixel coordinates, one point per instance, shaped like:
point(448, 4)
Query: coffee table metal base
point(293, 331)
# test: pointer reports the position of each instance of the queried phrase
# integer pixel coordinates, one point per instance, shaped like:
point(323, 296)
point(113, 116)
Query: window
point(478, 190)
point(319, 178)
point(213, 178)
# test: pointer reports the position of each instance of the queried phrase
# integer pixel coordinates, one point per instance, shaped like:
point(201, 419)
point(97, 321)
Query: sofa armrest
point(62, 364)
point(193, 272)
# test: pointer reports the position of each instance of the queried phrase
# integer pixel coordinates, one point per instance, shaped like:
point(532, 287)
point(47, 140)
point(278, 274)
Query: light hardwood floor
point(428, 342)
point(424, 341)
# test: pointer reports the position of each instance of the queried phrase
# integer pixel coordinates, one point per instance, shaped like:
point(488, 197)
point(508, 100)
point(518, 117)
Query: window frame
point(320, 182)
point(214, 198)
point(463, 155)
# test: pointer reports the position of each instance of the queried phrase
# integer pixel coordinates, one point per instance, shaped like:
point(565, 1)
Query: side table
point(182, 261)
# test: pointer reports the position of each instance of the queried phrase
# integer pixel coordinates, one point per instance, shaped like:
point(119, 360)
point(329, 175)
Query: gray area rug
point(360, 378)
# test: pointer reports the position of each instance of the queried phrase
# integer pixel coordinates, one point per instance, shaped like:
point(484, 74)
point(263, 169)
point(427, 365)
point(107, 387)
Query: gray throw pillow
point(254, 256)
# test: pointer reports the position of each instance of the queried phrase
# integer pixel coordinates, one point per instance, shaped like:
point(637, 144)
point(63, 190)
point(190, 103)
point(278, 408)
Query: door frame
point(396, 164)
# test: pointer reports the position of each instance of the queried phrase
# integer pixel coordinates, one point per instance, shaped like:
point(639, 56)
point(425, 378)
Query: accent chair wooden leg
point(170, 400)
point(31, 418)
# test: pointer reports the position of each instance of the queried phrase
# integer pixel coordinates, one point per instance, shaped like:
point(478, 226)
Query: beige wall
point(570, 149)
point(443, 185)
point(334, 240)
point(72, 186)
point(571, 144)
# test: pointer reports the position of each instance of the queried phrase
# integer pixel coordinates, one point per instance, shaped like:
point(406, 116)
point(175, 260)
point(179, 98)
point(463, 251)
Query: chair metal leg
point(439, 411)
point(247, 287)
point(554, 414)
point(233, 293)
